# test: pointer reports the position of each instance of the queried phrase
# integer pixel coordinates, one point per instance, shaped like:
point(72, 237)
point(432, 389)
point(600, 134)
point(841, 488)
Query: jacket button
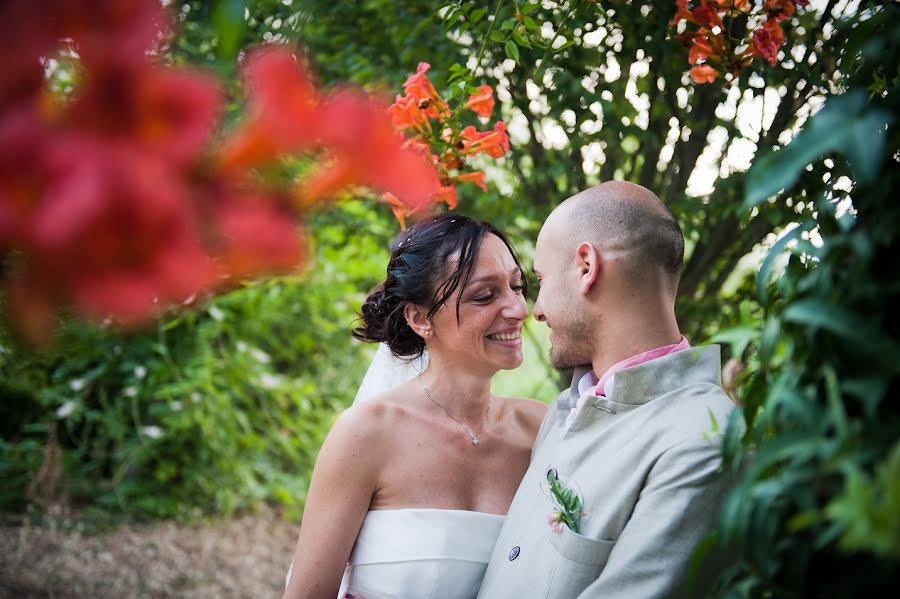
point(514, 553)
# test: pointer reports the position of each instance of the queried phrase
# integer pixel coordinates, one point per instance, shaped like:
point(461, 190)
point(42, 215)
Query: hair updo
point(417, 273)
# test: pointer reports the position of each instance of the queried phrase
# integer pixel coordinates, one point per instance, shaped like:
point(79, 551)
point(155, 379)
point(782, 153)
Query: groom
point(632, 437)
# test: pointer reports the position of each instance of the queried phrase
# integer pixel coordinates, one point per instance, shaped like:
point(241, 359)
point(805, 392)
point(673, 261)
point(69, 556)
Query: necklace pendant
point(474, 440)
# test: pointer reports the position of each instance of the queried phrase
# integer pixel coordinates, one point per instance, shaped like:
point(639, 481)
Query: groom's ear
point(587, 264)
point(417, 318)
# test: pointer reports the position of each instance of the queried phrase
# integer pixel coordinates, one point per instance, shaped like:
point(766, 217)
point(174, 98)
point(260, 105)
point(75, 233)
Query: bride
point(410, 488)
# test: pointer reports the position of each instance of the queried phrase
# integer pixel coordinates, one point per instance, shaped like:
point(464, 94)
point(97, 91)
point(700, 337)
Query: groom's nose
point(537, 311)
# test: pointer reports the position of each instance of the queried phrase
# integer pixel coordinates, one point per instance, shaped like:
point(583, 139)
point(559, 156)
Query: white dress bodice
point(420, 554)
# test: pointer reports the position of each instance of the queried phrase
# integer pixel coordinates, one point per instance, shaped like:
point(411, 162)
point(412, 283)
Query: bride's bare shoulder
point(379, 414)
point(528, 413)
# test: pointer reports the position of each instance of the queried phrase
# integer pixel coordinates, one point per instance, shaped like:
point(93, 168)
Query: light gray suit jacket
point(647, 465)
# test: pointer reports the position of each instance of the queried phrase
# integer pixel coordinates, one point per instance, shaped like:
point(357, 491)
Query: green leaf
point(512, 50)
point(520, 39)
point(764, 275)
point(843, 125)
point(835, 405)
point(866, 337)
point(867, 511)
point(736, 337)
point(767, 340)
point(731, 444)
point(228, 18)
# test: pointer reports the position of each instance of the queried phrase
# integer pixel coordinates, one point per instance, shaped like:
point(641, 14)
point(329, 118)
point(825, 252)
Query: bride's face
point(487, 336)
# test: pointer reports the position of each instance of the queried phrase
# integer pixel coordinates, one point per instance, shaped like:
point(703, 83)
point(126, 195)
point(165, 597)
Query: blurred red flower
point(282, 110)
point(476, 177)
point(700, 49)
point(109, 202)
point(493, 143)
point(704, 73)
point(406, 114)
point(255, 234)
point(114, 232)
point(780, 10)
point(713, 48)
point(482, 103)
point(767, 40)
point(167, 112)
point(429, 101)
point(365, 150)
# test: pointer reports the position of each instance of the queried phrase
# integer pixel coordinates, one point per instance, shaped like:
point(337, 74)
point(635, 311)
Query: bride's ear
point(417, 319)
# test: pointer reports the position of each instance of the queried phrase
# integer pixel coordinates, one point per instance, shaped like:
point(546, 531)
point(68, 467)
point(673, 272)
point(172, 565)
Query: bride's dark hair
point(420, 259)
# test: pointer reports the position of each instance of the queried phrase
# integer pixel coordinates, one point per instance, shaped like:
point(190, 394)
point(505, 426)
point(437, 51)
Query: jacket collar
point(645, 382)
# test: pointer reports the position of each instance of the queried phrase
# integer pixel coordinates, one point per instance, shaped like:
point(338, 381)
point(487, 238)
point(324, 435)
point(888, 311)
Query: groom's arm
point(678, 506)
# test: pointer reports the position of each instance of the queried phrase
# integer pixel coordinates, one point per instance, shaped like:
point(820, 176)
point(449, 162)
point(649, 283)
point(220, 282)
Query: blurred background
point(172, 458)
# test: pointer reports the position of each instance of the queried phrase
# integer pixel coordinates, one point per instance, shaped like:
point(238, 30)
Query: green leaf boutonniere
point(567, 504)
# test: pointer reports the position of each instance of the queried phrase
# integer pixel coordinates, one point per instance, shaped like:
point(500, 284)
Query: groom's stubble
point(572, 337)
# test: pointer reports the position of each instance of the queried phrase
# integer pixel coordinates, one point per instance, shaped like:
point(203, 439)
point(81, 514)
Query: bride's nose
point(515, 308)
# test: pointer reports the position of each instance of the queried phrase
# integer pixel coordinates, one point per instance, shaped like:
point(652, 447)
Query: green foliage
point(218, 408)
point(816, 513)
point(845, 124)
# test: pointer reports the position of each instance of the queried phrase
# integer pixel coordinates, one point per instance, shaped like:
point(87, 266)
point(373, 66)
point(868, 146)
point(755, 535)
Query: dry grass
point(246, 556)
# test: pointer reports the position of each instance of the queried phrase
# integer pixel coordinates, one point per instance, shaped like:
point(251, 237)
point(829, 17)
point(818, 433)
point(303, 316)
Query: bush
point(212, 410)
point(817, 512)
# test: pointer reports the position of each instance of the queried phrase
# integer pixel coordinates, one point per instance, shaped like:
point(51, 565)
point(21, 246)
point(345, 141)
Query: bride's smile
point(486, 335)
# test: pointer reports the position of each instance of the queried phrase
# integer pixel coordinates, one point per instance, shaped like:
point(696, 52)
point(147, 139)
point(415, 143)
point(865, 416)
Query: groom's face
point(558, 303)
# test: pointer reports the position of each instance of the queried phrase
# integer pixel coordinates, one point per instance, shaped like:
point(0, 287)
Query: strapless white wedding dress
point(420, 554)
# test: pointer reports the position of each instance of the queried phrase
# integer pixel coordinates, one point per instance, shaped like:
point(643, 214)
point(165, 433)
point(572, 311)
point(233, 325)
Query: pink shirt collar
point(646, 356)
point(591, 385)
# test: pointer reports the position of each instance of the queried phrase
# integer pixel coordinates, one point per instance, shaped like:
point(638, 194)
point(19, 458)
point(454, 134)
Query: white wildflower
point(241, 346)
point(140, 372)
point(270, 381)
point(195, 397)
point(130, 391)
point(154, 432)
point(77, 384)
point(65, 409)
point(216, 313)
point(176, 406)
point(260, 355)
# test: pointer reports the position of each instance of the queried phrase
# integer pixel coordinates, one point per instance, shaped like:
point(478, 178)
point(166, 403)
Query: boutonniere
point(567, 504)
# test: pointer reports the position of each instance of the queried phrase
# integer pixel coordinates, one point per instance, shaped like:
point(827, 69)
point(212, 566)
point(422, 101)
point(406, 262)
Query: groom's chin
point(561, 361)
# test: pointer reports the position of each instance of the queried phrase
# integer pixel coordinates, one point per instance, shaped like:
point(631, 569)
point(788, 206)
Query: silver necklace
point(466, 428)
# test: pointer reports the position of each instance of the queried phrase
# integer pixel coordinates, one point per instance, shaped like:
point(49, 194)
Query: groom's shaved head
point(629, 221)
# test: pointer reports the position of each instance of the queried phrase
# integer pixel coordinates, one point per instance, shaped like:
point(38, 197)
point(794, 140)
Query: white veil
point(387, 371)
